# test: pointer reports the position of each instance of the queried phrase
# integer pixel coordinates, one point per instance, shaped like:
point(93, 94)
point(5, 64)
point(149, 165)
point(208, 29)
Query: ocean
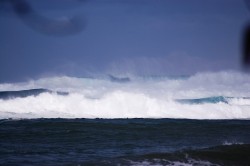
point(202, 119)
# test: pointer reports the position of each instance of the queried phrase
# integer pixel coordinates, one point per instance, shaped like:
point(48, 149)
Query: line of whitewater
point(222, 95)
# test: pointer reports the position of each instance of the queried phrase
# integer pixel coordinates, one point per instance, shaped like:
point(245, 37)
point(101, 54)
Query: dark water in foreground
point(124, 142)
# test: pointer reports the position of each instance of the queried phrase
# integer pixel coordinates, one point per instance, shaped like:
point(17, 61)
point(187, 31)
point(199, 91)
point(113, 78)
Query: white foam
point(161, 162)
point(140, 98)
point(117, 104)
point(232, 143)
point(239, 101)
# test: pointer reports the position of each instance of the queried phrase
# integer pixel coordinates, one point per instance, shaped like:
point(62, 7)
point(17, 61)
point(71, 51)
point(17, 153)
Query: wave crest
point(222, 95)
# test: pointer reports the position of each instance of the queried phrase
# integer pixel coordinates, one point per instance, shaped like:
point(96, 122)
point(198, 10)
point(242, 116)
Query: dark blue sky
point(144, 37)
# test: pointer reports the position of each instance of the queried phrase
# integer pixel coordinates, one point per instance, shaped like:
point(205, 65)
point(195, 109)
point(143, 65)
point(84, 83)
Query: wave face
point(222, 95)
point(26, 93)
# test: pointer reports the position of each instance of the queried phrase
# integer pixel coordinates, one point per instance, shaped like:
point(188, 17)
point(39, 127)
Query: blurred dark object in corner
point(53, 27)
point(246, 42)
point(246, 47)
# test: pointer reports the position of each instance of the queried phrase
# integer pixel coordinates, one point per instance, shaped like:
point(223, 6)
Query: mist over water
point(221, 95)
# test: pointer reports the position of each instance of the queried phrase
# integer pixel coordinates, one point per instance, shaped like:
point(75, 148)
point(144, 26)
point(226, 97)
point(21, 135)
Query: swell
point(26, 93)
point(215, 99)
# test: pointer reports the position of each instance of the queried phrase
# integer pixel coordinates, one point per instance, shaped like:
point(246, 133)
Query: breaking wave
point(223, 95)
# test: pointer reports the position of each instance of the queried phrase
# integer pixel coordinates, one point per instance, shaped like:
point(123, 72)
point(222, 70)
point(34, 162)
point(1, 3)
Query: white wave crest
point(117, 104)
point(139, 98)
point(239, 101)
point(164, 162)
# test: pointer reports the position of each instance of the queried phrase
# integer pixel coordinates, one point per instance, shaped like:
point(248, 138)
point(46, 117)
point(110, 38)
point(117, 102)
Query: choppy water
point(124, 142)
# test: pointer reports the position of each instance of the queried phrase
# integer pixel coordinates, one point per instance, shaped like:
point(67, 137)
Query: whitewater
point(208, 95)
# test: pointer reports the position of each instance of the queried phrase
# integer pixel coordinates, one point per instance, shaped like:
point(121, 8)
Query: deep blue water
point(124, 142)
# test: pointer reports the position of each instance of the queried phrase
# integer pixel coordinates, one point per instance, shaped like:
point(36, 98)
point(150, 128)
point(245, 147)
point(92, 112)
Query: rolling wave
point(223, 95)
point(215, 99)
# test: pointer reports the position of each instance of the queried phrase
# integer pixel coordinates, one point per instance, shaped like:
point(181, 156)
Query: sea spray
point(222, 95)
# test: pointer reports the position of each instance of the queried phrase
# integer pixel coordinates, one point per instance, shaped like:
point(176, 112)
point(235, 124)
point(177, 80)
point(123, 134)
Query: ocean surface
point(203, 119)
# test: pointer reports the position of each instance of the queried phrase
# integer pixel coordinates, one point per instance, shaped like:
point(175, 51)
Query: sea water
point(201, 119)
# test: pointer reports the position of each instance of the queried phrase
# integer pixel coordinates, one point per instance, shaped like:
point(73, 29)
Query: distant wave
point(223, 95)
point(215, 99)
point(119, 79)
point(26, 93)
